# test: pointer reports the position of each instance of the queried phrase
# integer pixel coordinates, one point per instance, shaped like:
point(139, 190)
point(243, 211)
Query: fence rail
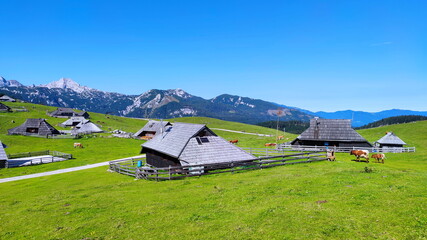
point(287, 147)
point(52, 136)
point(138, 168)
point(48, 156)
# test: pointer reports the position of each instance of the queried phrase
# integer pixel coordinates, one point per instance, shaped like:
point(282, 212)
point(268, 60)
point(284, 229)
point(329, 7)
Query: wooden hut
point(34, 126)
point(6, 98)
point(389, 140)
point(186, 144)
point(68, 113)
point(73, 121)
point(87, 127)
point(4, 108)
point(331, 132)
point(151, 129)
point(3, 156)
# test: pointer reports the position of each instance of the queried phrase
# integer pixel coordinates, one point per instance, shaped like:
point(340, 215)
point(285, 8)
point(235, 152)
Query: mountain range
point(165, 104)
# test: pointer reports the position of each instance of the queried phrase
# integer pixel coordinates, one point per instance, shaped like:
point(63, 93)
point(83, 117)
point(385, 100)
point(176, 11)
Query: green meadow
point(323, 200)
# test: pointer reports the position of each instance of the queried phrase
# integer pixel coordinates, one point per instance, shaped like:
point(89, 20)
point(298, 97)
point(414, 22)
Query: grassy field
point(325, 200)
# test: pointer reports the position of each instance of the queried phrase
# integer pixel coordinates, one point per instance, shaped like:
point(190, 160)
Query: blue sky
point(316, 55)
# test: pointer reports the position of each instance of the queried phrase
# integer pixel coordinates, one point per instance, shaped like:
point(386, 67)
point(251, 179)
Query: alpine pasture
point(323, 200)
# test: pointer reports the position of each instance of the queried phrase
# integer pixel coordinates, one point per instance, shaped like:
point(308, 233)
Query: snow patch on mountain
point(187, 111)
point(241, 102)
point(68, 83)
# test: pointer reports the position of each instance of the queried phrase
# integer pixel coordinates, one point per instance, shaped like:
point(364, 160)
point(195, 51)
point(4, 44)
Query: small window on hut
point(32, 130)
point(201, 140)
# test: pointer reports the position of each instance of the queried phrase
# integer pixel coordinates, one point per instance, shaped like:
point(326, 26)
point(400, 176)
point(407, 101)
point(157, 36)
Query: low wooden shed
point(186, 144)
point(389, 140)
point(331, 132)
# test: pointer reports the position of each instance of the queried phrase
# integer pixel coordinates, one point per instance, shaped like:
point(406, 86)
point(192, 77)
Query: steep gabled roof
point(212, 149)
point(59, 111)
point(7, 99)
point(3, 155)
point(153, 126)
point(331, 130)
point(4, 107)
point(44, 128)
point(173, 141)
point(391, 138)
point(88, 127)
point(72, 120)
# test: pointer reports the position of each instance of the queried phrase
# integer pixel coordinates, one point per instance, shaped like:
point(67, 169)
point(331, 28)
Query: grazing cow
point(379, 157)
point(360, 153)
point(330, 154)
point(270, 144)
point(78, 145)
point(280, 137)
point(235, 141)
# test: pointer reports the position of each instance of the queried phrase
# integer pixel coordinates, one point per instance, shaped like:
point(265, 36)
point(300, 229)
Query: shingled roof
point(331, 130)
point(6, 98)
point(153, 126)
point(4, 108)
point(43, 127)
point(68, 112)
point(391, 138)
point(73, 121)
point(195, 144)
point(3, 155)
point(88, 127)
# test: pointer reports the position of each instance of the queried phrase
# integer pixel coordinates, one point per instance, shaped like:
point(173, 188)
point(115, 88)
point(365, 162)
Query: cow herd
point(365, 154)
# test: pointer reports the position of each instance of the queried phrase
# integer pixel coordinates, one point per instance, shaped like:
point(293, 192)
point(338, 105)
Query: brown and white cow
point(78, 145)
point(379, 157)
point(360, 154)
point(270, 144)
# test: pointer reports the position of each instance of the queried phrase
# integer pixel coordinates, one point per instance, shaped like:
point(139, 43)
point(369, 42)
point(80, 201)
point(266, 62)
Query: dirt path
point(73, 169)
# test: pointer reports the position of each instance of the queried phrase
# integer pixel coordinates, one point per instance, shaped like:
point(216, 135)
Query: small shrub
point(368, 170)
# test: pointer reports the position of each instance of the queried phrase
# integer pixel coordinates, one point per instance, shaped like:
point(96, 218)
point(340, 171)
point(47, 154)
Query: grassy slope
point(277, 203)
point(103, 148)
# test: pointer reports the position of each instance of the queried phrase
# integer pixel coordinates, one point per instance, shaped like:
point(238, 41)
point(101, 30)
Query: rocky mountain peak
point(67, 83)
point(10, 83)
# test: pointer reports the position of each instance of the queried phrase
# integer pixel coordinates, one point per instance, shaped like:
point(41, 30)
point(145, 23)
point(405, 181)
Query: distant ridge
point(394, 120)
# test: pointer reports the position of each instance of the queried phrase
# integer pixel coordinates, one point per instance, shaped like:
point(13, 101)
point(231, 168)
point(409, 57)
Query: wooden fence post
point(232, 167)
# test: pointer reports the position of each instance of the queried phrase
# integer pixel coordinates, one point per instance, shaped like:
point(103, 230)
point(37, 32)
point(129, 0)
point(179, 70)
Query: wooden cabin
point(68, 113)
point(151, 129)
point(3, 156)
point(34, 126)
point(190, 144)
point(6, 98)
point(389, 140)
point(4, 108)
point(330, 133)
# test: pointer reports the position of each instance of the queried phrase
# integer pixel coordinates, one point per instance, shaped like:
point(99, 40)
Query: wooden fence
point(45, 157)
point(130, 166)
point(52, 136)
point(287, 147)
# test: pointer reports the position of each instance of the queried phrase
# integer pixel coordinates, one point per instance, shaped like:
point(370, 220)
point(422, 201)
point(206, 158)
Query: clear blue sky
point(316, 55)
